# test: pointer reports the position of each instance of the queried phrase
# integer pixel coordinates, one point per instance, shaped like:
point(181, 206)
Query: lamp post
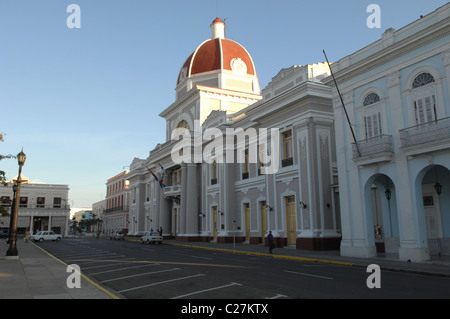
point(12, 211)
point(12, 250)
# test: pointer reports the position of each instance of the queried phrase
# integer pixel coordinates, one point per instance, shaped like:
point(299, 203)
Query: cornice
point(396, 50)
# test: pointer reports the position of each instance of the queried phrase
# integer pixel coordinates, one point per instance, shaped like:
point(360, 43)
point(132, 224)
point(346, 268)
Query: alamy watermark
point(74, 19)
point(374, 19)
point(374, 280)
point(212, 146)
point(74, 279)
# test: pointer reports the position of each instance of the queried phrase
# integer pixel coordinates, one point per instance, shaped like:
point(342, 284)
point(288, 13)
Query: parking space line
point(107, 265)
point(85, 254)
point(159, 283)
point(205, 290)
point(101, 260)
point(141, 274)
point(310, 275)
point(276, 296)
point(120, 269)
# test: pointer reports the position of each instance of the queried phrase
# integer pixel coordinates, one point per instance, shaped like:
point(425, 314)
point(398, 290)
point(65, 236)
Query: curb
point(90, 281)
point(341, 263)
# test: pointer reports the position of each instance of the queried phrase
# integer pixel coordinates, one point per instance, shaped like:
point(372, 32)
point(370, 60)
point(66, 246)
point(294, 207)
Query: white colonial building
point(237, 163)
point(394, 178)
point(41, 206)
point(115, 214)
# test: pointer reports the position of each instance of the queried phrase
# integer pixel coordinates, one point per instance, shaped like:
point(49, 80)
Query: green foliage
point(2, 173)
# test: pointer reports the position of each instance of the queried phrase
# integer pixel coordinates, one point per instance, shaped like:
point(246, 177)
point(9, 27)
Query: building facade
point(115, 214)
point(394, 178)
point(41, 207)
point(237, 163)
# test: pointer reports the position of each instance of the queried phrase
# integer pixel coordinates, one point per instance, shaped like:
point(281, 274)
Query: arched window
point(372, 116)
point(184, 124)
point(371, 98)
point(424, 98)
point(422, 79)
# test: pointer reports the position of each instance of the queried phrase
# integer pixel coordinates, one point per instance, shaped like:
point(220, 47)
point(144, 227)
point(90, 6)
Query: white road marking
point(276, 296)
point(161, 282)
point(205, 290)
point(141, 274)
point(119, 269)
point(310, 275)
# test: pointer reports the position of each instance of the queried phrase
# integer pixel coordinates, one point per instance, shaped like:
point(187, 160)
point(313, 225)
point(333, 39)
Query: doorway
point(214, 225)
point(263, 220)
point(291, 221)
point(247, 221)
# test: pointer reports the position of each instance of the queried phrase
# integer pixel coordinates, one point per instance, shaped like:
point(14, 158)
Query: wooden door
point(291, 221)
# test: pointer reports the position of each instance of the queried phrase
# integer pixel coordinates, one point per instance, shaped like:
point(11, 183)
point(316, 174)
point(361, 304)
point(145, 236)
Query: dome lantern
point(217, 29)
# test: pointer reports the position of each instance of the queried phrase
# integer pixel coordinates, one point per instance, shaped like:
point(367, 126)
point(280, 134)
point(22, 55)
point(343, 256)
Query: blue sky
point(84, 102)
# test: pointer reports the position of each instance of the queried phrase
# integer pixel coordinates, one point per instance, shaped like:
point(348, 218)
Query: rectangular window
point(245, 167)
point(5, 201)
point(57, 202)
point(372, 125)
point(23, 202)
point(287, 159)
point(40, 202)
point(425, 108)
point(214, 173)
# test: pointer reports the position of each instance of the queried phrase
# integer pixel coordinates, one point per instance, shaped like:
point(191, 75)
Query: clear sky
point(84, 102)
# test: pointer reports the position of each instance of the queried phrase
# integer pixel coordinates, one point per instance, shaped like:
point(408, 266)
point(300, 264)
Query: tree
point(2, 173)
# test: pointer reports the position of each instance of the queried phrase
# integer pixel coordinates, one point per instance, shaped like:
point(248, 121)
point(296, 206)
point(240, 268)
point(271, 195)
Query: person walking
point(27, 236)
point(270, 240)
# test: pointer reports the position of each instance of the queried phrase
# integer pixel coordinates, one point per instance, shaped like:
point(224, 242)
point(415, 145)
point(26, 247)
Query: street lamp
point(12, 250)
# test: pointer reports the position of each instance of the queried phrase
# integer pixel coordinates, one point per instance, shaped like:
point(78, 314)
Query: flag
point(161, 184)
point(162, 168)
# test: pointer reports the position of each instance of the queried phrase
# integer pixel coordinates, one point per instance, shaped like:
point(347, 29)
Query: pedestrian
point(160, 231)
point(270, 240)
point(27, 236)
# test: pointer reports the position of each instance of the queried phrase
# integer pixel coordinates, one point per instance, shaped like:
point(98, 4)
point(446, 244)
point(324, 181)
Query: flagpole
point(343, 105)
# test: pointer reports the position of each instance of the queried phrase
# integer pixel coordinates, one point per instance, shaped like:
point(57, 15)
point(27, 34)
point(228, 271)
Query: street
point(140, 271)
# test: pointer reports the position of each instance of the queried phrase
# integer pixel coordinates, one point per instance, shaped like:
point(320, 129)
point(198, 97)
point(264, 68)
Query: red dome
point(215, 54)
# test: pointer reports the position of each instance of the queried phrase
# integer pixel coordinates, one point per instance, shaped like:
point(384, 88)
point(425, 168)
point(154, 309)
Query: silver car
point(117, 235)
point(45, 235)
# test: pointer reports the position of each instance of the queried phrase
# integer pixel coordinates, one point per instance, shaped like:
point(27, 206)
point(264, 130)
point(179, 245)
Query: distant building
point(99, 208)
point(41, 206)
point(394, 176)
point(115, 215)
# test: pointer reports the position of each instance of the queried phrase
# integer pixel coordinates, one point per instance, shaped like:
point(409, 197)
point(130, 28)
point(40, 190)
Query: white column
point(192, 201)
point(411, 246)
point(184, 202)
point(164, 211)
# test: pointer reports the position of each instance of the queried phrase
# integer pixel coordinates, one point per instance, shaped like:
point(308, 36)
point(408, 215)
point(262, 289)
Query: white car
point(45, 235)
point(151, 238)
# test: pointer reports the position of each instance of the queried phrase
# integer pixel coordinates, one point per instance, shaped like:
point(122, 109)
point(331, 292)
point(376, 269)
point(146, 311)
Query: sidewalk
point(38, 275)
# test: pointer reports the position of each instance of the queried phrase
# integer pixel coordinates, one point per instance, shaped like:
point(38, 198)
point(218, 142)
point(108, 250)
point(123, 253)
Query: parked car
point(45, 235)
point(4, 233)
point(151, 238)
point(117, 235)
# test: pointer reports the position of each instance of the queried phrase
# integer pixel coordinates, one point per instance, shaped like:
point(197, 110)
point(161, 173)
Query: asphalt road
point(138, 271)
